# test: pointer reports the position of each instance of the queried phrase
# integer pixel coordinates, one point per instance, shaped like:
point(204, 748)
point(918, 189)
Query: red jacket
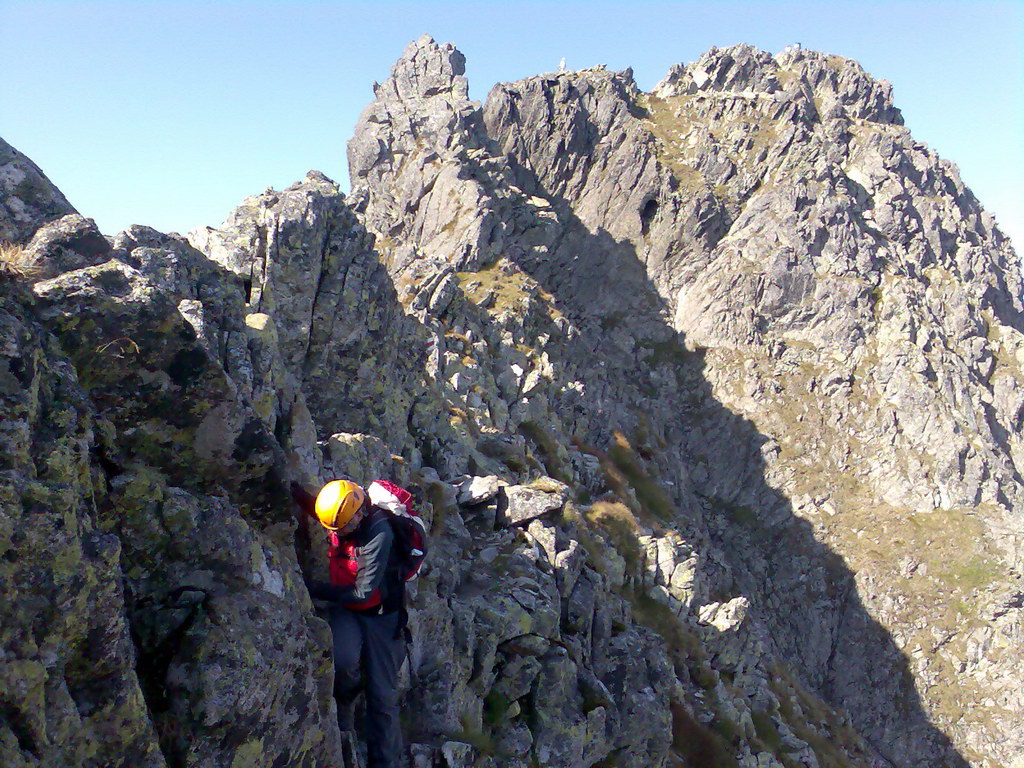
point(359, 562)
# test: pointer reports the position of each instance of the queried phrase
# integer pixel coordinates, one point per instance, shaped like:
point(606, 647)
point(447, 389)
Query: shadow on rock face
point(632, 394)
point(799, 588)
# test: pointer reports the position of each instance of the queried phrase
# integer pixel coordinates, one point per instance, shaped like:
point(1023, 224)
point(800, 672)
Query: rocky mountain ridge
point(712, 397)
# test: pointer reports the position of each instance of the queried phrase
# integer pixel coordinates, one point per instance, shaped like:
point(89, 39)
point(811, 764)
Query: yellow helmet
point(337, 503)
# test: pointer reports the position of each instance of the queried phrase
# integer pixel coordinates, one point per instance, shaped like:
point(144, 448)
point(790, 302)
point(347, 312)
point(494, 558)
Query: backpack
point(410, 531)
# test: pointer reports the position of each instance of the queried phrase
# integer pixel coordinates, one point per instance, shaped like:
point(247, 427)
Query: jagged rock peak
point(594, 84)
point(423, 104)
point(838, 86)
point(737, 68)
point(318, 180)
point(427, 68)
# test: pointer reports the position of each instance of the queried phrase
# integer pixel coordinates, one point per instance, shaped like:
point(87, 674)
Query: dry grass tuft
point(15, 259)
point(652, 497)
point(622, 529)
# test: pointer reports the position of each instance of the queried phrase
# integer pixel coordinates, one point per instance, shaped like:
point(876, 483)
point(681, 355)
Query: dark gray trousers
point(374, 648)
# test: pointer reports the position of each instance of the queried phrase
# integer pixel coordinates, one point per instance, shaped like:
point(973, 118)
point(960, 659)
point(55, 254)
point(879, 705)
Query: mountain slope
point(846, 295)
point(711, 397)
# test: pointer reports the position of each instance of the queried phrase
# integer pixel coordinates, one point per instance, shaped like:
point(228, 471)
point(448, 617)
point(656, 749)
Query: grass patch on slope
point(697, 745)
point(548, 446)
point(670, 121)
point(649, 492)
point(621, 529)
point(834, 741)
point(511, 288)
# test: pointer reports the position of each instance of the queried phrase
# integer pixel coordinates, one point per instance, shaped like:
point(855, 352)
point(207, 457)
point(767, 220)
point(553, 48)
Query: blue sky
point(169, 113)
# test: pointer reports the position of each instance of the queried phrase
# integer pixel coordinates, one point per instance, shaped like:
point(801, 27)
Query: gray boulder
point(27, 198)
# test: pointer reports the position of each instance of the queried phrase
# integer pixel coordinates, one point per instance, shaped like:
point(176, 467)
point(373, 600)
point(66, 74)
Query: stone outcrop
point(68, 665)
point(302, 259)
point(27, 198)
point(149, 539)
point(65, 244)
point(684, 183)
point(710, 398)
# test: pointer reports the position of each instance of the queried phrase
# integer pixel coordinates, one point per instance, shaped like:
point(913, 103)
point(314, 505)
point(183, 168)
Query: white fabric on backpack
point(385, 499)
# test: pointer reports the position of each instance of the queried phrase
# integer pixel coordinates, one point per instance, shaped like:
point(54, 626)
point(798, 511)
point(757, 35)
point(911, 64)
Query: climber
point(367, 613)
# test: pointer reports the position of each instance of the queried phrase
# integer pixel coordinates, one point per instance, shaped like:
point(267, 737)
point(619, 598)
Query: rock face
point(710, 396)
point(814, 255)
point(27, 198)
point(148, 573)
